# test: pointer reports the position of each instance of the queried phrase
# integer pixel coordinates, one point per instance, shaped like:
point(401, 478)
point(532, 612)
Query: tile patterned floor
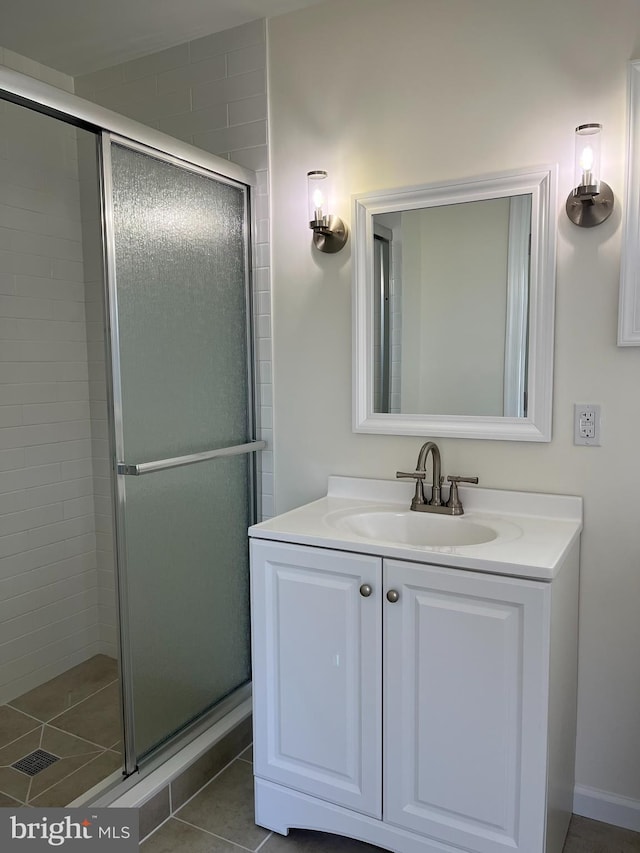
point(219, 819)
point(76, 717)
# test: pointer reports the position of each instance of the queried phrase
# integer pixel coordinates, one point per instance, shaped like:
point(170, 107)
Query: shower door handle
point(190, 459)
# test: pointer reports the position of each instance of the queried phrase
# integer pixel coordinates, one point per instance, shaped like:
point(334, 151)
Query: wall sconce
point(329, 231)
point(591, 202)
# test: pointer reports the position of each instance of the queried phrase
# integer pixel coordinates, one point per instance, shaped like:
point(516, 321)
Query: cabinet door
point(465, 667)
point(317, 653)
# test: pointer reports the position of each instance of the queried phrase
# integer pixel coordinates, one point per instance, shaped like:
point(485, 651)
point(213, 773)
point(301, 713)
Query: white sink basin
point(407, 527)
point(517, 534)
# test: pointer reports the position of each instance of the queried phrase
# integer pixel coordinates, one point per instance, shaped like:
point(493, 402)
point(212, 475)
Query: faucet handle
point(454, 480)
point(418, 476)
point(454, 502)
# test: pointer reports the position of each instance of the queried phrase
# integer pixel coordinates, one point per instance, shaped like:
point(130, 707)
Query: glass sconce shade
point(587, 158)
point(591, 200)
point(318, 195)
point(329, 231)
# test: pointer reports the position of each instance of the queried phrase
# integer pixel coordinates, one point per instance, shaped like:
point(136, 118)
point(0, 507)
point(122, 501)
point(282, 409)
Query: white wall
point(48, 577)
point(211, 92)
point(423, 90)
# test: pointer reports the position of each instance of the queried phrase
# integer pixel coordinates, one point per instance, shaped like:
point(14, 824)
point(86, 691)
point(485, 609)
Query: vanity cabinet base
point(280, 809)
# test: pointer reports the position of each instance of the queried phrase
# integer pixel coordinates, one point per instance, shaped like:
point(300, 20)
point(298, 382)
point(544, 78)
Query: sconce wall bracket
point(329, 234)
point(586, 208)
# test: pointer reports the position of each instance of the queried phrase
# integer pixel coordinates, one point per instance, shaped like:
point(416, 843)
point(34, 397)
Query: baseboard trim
point(609, 808)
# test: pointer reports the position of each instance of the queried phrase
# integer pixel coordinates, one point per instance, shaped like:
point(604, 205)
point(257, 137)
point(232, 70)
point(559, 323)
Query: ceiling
point(79, 36)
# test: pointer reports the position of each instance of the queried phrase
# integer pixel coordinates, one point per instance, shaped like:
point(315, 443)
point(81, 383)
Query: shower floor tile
point(20, 746)
point(81, 780)
point(97, 719)
point(14, 724)
point(8, 802)
point(73, 753)
point(75, 717)
point(66, 690)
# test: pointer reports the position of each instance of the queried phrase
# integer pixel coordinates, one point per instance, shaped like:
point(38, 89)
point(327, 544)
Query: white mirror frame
point(541, 183)
point(629, 308)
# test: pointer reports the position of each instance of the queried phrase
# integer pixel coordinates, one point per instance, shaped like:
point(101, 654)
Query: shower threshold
point(174, 758)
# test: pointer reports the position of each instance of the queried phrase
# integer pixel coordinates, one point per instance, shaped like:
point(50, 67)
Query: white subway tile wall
point(211, 92)
point(97, 376)
point(49, 592)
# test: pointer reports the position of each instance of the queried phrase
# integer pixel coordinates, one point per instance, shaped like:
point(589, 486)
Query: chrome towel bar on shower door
point(191, 459)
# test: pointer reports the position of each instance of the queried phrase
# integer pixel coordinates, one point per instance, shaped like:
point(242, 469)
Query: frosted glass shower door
point(183, 437)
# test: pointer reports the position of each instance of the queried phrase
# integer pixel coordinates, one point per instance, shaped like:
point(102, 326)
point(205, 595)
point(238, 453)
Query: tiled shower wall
point(49, 603)
point(90, 206)
point(211, 92)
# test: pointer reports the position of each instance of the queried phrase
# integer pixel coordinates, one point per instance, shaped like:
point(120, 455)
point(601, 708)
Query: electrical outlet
point(586, 424)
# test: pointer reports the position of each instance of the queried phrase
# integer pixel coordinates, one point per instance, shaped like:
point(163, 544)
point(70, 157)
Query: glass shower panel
point(180, 271)
point(188, 592)
point(182, 380)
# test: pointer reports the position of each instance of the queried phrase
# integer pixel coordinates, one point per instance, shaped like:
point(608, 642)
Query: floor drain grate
point(35, 762)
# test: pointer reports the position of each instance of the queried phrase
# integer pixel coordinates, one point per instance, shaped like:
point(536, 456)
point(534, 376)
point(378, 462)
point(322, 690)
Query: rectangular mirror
point(454, 297)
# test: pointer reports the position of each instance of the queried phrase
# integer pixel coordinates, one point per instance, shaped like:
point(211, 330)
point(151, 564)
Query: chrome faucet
point(419, 502)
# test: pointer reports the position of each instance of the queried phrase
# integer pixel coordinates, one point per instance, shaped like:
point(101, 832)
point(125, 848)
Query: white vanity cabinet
point(465, 685)
point(414, 706)
point(317, 645)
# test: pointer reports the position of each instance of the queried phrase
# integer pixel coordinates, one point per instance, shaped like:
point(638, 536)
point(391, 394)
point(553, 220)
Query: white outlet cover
point(586, 424)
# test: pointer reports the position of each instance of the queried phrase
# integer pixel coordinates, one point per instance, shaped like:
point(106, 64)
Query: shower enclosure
point(161, 236)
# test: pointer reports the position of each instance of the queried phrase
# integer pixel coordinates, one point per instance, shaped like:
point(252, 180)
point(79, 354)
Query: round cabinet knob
point(393, 595)
point(365, 590)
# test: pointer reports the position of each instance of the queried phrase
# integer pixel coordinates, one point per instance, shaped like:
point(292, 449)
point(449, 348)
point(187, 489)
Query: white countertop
point(534, 531)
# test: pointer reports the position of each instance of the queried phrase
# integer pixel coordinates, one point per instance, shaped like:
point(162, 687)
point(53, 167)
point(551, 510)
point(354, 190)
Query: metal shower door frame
point(122, 468)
